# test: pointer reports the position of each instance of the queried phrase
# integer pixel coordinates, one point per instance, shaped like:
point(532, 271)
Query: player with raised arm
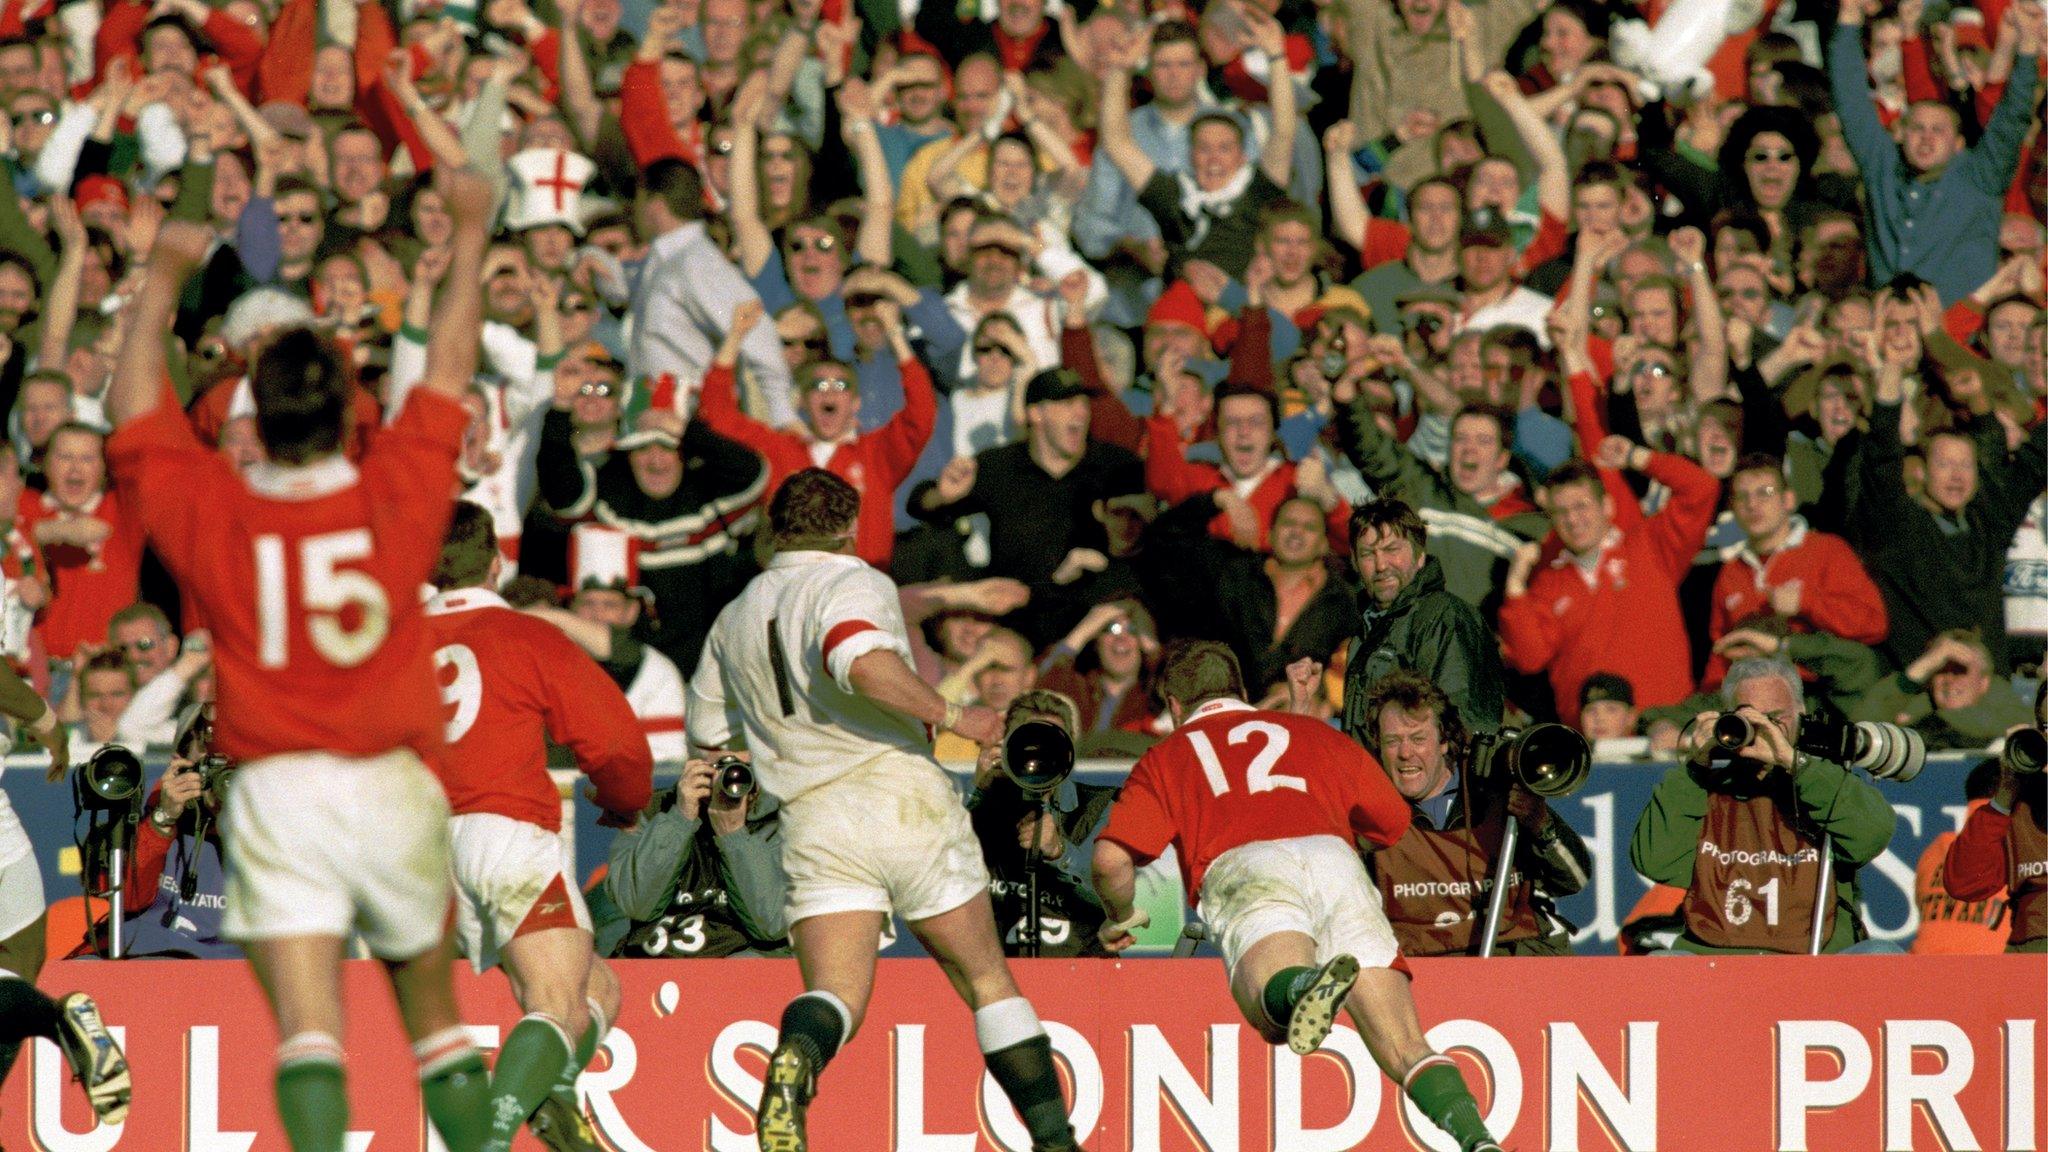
point(1263, 809)
point(309, 569)
point(512, 684)
point(25, 1012)
point(812, 664)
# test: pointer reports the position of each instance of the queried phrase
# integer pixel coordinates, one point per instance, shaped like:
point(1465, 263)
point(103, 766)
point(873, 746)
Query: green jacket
point(1854, 676)
point(1427, 630)
point(1821, 797)
point(1473, 545)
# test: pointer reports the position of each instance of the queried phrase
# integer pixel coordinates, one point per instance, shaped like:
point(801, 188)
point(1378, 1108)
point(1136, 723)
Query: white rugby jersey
point(777, 668)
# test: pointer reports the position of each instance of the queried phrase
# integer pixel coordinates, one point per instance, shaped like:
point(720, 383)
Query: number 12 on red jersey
point(325, 589)
point(1259, 775)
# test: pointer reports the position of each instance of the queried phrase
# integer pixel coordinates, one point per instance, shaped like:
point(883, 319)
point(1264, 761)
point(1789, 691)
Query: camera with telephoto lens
point(1037, 755)
point(734, 778)
point(110, 782)
point(1548, 759)
point(2026, 752)
point(213, 769)
point(1885, 751)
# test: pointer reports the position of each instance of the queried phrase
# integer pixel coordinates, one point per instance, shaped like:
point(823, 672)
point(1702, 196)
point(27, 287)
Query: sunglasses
point(297, 217)
point(813, 343)
point(599, 391)
point(1119, 628)
point(811, 244)
point(1656, 370)
point(145, 644)
point(862, 300)
point(831, 384)
point(40, 116)
point(1762, 157)
point(990, 350)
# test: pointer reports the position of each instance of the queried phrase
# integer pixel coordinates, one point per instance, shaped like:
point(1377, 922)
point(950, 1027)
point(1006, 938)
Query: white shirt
point(795, 703)
point(656, 695)
point(682, 307)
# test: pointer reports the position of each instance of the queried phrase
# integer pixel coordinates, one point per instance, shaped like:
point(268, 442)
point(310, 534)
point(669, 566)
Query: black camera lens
point(1734, 730)
point(734, 778)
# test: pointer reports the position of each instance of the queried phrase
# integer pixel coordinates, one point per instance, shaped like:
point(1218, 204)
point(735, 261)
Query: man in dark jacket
point(1413, 622)
point(1271, 609)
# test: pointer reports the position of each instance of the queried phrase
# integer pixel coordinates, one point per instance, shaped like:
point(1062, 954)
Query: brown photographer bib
point(2028, 885)
point(1436, 884)
point(1754, 879)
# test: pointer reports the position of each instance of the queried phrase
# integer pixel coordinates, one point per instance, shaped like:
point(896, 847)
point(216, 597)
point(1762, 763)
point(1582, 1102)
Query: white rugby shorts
point(511, 877)
point(323, 845)
point(21, 895)
point(889, 835)
point(1314, 885)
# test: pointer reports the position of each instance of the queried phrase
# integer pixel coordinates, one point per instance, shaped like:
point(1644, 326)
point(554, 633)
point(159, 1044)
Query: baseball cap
point(1602, 686)
point(1443, 294)
point(1485, 226)
point(1054, 384)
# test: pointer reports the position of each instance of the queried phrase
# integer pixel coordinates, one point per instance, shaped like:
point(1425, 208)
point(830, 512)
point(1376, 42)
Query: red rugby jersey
point(1234, 774)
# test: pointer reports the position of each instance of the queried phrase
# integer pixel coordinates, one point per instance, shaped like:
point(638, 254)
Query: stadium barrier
point(1833, 1054)
point(1604, 813)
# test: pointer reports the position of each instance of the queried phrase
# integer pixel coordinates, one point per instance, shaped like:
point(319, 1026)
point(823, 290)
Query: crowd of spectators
point(1640, 346)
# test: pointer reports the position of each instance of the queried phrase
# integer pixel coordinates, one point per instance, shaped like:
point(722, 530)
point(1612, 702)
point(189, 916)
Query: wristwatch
point(157, 821)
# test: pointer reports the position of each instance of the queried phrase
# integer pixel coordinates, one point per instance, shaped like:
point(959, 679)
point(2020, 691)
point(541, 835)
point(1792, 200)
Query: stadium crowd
point(1568, 353)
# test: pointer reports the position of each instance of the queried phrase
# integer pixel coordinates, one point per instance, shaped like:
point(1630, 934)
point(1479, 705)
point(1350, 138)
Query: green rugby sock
point(312, 1094)
point(1284, 991)
point(456, 1089)
point(1439, 1090)
point(586, 1050)
point(529, 1064)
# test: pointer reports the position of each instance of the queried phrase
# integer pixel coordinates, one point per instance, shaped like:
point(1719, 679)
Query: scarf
point(1201, 207)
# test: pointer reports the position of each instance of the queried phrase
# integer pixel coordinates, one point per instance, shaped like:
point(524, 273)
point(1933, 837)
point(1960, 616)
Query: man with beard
point(1412, 621)
point(1933, 200)
point(1475, 505)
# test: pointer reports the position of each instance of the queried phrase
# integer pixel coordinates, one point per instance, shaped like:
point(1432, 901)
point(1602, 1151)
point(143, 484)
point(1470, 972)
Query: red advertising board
point(1837, 1054)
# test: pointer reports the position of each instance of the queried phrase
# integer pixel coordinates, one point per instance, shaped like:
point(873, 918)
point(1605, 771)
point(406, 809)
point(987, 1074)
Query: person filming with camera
point(1437, 877)
point(1758, 828)
point(701, 877)
point(1024, 793)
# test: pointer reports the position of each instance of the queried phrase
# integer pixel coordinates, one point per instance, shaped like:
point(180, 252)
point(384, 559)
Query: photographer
point(1006, 819)
point(1740, 829)
point(180, 838)
point(1437, 878)
point(2004, 844)
point(701, 876)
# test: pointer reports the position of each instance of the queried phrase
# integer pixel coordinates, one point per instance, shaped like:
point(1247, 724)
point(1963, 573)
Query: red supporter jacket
point(875, 463)
point(1624, 618)
point(1836, 595)
point(309, 577)
point(512, 683)
point(1233, 775)
point(1172, 477)
point(88, 585)
point(2004, 849)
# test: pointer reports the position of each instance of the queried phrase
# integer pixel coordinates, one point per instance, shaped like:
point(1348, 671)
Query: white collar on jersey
point(1220, 704)
point(811, 556)
point(464, 600)
point(323, 477)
